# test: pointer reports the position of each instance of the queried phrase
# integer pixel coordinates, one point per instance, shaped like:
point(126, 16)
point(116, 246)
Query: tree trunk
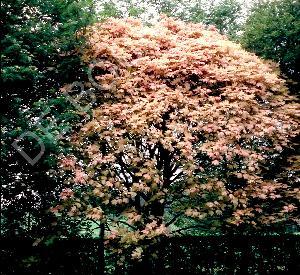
point(101, 250)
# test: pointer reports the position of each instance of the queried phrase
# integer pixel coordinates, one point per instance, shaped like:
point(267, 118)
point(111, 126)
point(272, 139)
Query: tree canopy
point(184, 123)
point(272, 30)
point(39, 44)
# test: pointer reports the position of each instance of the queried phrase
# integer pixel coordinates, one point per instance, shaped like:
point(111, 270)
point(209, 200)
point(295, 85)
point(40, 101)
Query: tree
point(272, 31)
point(38, 43)
point(226, 15)
point(186, 122)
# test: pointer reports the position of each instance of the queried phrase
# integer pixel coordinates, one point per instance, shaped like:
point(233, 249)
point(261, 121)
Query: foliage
point(34, 36)
point(273, 31)
point(27, 191)
point(38, 42)
point(108, 9)
point(186, 124)
point(222, 14)
point(225, 15)
point(183, 132)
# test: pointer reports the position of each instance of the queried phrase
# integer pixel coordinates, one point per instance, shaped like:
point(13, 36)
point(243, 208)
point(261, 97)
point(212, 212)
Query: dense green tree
point(38, 54)
point(108, 9)
point(34, 36)
point(272, 31)
point(225, 17)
